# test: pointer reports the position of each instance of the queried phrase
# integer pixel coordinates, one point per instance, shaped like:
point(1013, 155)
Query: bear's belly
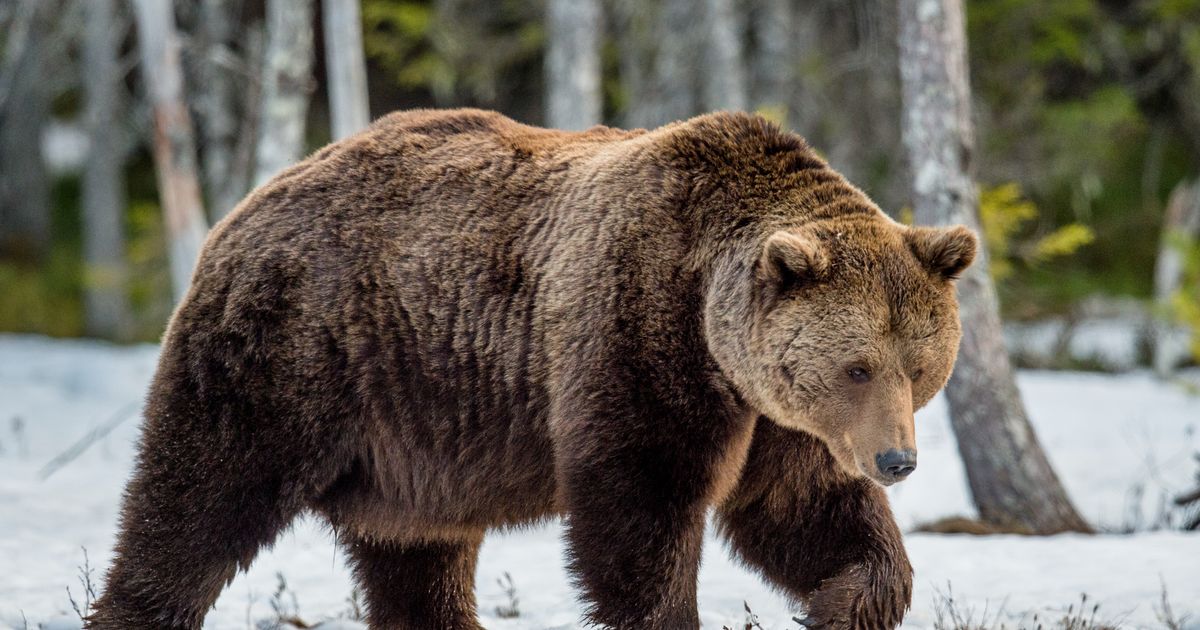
point(414, 483)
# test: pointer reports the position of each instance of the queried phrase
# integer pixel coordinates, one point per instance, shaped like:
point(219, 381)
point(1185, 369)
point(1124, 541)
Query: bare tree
point(676, 72)
point(632, 24)
point(246, 148)
point(24, 113)
point(774, 57)
point(724, 76)
point(1181, 224)
point(106, 309)
point(216, 102)
point(174, 144)
point(345, 67)
point(1011, 480)
point(679, 57)
point(287, 83)
point(573, 96)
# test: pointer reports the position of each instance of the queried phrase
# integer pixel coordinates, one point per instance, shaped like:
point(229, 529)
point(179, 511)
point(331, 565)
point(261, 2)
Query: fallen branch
point(84, 443)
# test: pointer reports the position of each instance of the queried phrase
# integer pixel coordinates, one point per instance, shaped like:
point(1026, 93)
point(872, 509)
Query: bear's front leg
point(636, 480)
point(827, 539)
point(634, 531)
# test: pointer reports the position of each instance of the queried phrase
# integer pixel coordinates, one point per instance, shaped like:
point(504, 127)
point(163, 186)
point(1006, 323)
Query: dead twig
point(84, 443)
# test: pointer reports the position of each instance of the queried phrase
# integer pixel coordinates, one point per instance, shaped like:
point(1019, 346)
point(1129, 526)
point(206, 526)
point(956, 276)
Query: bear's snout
point(896, 464)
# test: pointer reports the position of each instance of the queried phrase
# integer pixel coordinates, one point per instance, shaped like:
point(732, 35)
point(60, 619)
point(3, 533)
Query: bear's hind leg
point(217, 479)
point(419, 584)
point(185, 532)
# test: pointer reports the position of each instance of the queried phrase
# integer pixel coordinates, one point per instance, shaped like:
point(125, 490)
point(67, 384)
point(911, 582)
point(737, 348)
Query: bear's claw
point(860, 598)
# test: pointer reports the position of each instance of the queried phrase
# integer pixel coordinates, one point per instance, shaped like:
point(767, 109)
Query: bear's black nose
point(897, 463)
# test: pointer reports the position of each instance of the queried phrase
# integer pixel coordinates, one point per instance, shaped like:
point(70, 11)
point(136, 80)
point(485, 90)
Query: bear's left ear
point(790, 259)
point(943, 251)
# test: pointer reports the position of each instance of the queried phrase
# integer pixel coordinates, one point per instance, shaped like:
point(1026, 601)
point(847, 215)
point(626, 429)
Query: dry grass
point(953, 614)
point(512, 608)
point(751, 622)
point(964, 525)
point(88, 594)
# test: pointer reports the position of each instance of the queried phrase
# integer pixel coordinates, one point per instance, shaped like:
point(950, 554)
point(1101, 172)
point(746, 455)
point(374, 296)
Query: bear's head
point(842, 328)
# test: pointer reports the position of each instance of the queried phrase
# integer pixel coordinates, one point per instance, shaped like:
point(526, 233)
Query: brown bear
point(452, 323)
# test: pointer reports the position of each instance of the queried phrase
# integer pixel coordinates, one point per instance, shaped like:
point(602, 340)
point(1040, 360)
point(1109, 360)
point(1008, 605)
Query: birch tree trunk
point(24, 112)
point(573, 97)
point(287, 82)
point(216, 103)
point(106, 310)
point(345, 67)
point(724, 76)
point(1181, 222)
point(174, 144)
point(241, 175)
point(1011, 480)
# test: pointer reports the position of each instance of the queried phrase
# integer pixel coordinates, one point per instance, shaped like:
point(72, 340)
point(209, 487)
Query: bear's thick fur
point(452, 323)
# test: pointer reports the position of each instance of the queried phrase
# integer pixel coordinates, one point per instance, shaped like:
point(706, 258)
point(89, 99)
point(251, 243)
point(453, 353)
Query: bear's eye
point(917, 375)
point(859, 374)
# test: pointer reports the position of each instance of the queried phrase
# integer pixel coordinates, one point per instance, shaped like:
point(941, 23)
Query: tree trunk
point(632, 22)
point(1011, 480)
point(106, 310)
point(676, 64)
point(287, 82)
point(1181, 223)
point(345, 67)
point(774, 57)
point(573, 96)
point(724, 77)
point(24, 112)
point(174, 145)
point(242, 171)
point(216, 102)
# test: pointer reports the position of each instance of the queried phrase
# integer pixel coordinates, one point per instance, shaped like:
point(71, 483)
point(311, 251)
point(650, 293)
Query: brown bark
point(1011, 480)
point(174, 144)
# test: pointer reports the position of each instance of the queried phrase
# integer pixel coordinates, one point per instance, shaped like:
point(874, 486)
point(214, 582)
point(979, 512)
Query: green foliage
point(1079, 101)
point(1003, 213)
point(45, 296)
point(149, 280)
point(397, 35)
point(468, 51)
point(774, 112)
point(42, 299)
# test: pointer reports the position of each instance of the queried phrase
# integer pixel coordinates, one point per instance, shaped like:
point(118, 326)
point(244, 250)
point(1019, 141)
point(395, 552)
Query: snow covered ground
point(1122, 444)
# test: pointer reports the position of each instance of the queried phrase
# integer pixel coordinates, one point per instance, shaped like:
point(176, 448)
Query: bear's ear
point(791, 259)
point(943, 251)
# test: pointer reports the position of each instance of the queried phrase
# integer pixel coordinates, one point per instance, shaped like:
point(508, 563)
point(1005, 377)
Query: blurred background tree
point(122, 140)
point(1087, 115)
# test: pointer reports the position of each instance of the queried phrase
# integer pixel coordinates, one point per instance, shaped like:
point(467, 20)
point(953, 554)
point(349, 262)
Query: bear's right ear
point(790, 259)
point(946, 252)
